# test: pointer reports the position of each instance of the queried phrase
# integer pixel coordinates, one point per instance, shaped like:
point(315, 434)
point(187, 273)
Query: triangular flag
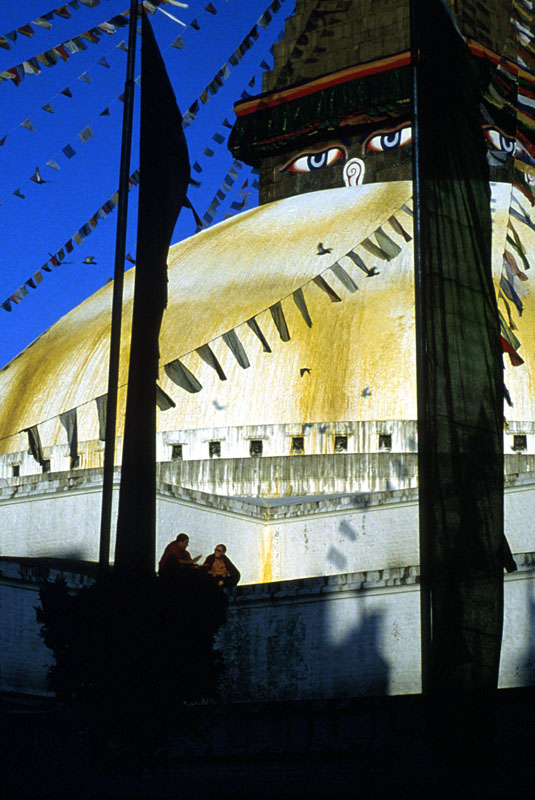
point(103, 63)
point(398, 227)
point(387, 244)
point(67, 92)
point(299, 300)
point(344, 277)
point(329, 291)
point(208, 355)
point(280, 321)
point(86, 77)
point(235, 346)
point(18, 193)
point(105, 113)
point(255, 327)
point(70, 422)
point(163, 401)
point(181, 375)
point(372, 248)
point(53, 164)
point(28, 124)
point(37, 176)
point(48, 107)
point(34, 443)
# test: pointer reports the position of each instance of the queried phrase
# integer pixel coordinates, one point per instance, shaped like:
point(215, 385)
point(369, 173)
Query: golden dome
point(222, 277)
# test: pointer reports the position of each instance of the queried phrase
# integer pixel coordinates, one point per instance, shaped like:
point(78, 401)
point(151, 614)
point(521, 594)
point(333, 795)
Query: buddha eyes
point(309, 162)
point(500, 141)
point(388, 140)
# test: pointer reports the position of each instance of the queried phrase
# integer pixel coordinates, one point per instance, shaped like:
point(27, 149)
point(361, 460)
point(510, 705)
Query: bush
point(125, 645)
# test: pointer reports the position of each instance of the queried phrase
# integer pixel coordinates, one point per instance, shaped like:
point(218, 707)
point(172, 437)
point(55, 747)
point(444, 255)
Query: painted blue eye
point(500, 141)
point(388, 140)
point(309, 162)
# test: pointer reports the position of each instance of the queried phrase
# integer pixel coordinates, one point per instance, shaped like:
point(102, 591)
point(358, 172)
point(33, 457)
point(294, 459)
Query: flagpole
point(421, 383)
point(117, 301)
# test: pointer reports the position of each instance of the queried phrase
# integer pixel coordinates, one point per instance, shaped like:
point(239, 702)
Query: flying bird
point(303, 370)
point(366, 392)
point(322, 251)
point(371, 272)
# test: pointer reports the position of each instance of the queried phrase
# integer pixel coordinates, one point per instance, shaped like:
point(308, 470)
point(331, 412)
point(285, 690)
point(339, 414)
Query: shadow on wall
point(299, 648)
point(527, 663)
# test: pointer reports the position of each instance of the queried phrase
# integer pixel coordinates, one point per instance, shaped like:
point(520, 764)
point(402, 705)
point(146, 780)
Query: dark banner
point(164, 176)
point(460, 381)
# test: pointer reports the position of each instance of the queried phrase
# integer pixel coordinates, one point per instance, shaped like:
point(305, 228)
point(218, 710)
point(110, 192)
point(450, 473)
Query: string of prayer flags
point(64, 50)
point(57, 258)
point(224, 73)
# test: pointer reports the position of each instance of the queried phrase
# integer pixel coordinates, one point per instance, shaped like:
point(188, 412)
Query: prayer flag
point(208, 355)
point(165, 174)
point(86, 134)
point(255, 327)
point(460, 380)
point(236, 348)
point(34, 443)
point(280, 321)
point(69, 421)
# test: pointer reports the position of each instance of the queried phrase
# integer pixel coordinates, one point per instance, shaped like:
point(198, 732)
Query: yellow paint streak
point(266, 556)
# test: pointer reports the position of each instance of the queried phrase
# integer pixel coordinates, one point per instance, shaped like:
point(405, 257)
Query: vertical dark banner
point(460, 380)
point(164, 176)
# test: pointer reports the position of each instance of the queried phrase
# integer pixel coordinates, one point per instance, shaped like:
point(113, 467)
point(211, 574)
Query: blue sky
point(52, 212)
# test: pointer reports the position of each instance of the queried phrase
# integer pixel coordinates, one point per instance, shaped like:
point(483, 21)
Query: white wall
point(340, 636)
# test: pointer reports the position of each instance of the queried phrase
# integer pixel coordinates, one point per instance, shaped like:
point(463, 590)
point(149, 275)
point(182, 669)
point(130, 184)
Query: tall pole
point(117, 302)
point(421, 362)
